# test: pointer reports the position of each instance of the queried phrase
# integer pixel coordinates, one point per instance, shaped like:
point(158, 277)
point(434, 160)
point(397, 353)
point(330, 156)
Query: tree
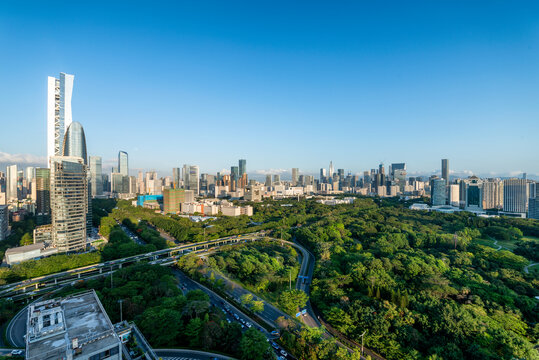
point(292, 300)
point(257, 306)
point(254, 346)
point(246, 299)
point(26, 239)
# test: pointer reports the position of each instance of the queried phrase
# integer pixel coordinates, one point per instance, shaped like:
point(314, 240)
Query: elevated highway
point(36, 286)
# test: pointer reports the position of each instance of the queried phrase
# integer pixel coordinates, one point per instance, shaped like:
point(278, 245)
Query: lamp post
point(121, 310)
point(362, 341)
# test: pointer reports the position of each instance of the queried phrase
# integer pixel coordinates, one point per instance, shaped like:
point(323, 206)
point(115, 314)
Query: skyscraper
point(445, 170)
point(96, 175)
point(515, 195)
point(43, 196)
point(74, 143)
point(492, 194)
point(11, 183)
point(295, 172)
point(191, 178)
point(176, 178)
point(4, 217)
point(69, 202)
point(438, 192)
point(235, 173)
point(323, 175)
point(123, 165)
point(473, 193)
point(59, 117)
point(331, 170)
point(242, 164)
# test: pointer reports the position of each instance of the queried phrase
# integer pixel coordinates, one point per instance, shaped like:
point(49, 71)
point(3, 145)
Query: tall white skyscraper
point(331, 170)
point(11, 183)
point(96, 176)
point(59, 117)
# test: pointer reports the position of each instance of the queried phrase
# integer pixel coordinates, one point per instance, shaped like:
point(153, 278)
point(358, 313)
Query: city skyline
point(380, 98)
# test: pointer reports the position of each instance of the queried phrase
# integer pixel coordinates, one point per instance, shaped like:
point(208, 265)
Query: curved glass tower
point(75, 142)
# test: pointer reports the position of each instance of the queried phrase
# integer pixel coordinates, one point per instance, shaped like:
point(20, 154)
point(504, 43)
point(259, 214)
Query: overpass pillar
point(120, 266)
point(101, 270)
point(37, 286)
point(55, 281)
point(78, 275)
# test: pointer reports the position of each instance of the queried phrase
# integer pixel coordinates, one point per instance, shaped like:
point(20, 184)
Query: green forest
point(420, 284)
point(266, 268)
point(169, 319)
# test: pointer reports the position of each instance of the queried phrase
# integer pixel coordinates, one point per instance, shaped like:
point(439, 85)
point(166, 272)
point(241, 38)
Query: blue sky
point(282, 84)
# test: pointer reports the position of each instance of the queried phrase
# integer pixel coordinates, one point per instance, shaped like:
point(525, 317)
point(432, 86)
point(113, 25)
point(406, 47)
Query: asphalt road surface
point(17, 329)
point(180, 354)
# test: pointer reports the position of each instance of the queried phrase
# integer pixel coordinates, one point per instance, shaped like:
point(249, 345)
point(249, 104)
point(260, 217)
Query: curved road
point(186, 354)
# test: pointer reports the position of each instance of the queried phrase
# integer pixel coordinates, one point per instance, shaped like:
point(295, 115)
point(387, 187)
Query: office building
point(323, 175)
point(242, 165)
point(69, 202)
point(533, 205)
point(474, 194)
point(269, 182)
point(176, 178)
point(43, 196)
point(4, 221)
point(12, 183)
point(117, 184)
point(74, 143)
point(59, 117)
point(123, 165)
point(438, 193)
point(30, 173)
point(295, 172)
point(75, 327)
point(172, 199)
point(277, 179)
point(515, 195)
point(445, 170)
point(331, 169)
point(454, 195)
point(191, 178)
point(96, 175)
point(492, 194)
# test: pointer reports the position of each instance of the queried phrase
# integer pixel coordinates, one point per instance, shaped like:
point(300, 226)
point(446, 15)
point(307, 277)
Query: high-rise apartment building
point(96, 175)
point(454, 195)
point(445, 170)
point(12, 183)
point(295, 172)
point(123, 165)
point(191, 178)
point(492, 194)
point(43, 196)
point(59, 116)
point(242, 165)
point(69, 202)
point(515, 196)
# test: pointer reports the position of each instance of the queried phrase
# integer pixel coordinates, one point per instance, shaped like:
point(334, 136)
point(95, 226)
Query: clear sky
point(282, 84)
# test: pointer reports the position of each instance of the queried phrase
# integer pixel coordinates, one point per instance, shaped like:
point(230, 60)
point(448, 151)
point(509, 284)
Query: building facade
point(43, 196)
point(69, 203)
point(4, 222)
point(96, 175)
point(123, 163)
point(59, 116)
point(515, 195)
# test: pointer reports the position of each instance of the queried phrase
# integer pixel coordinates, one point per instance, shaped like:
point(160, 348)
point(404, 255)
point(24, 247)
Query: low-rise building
point(75, 327)
point(28, 252)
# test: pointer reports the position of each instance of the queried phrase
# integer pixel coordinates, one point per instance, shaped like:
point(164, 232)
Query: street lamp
point(121, 310)
point(362, 341)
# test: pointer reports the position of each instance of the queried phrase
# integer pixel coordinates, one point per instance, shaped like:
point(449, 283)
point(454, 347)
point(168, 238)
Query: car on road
point(274, 345)
point(284, 353)
point(275, 333)
point(16, 352)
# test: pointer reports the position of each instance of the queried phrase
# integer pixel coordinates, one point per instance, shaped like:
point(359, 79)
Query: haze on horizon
point(281, 85)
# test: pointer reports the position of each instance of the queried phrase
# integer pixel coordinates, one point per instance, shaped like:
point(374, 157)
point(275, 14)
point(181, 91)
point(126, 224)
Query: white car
point(284, 353)
point(16, 352)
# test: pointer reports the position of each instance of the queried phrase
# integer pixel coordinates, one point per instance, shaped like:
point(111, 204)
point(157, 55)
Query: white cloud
point(20, 159)
point(270, 171)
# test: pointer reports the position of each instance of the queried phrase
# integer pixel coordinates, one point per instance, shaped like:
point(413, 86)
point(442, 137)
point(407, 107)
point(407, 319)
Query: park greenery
point(168, 318)
point(265, 268)
point(420, 285)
